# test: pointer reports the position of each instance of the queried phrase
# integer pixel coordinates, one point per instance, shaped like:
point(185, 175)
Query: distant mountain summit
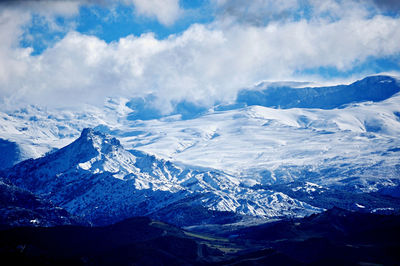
point(96, 178)
point(373, 88)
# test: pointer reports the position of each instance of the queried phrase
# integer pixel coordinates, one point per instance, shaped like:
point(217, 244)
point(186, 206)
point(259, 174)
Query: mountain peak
point(99, 141)
point(93, 152)
point(87, 132)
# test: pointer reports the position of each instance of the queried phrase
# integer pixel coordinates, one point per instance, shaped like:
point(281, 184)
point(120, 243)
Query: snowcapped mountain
point(96, 178)
point(241, 159)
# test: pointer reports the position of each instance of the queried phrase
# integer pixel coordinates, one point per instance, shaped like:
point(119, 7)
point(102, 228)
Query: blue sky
point(110, 23)
point(197, 51)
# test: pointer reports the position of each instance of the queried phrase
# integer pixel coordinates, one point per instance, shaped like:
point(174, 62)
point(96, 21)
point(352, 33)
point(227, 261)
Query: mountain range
point(279, 152)
point(247, 161)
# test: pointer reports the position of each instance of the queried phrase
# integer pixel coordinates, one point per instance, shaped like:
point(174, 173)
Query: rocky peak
point(100, 142)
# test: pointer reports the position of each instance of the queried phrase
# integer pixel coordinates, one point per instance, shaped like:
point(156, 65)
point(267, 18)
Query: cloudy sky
point(67, 53)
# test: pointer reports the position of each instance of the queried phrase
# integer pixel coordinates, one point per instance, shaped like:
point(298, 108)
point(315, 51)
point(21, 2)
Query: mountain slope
point(135, 241)
point(336, 237)
point(10, 153)
point(19, 207)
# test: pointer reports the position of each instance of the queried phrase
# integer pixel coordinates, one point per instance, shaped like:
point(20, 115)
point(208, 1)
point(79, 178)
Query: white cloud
point(165, 11)
point(12, 58)
point(204, 64)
